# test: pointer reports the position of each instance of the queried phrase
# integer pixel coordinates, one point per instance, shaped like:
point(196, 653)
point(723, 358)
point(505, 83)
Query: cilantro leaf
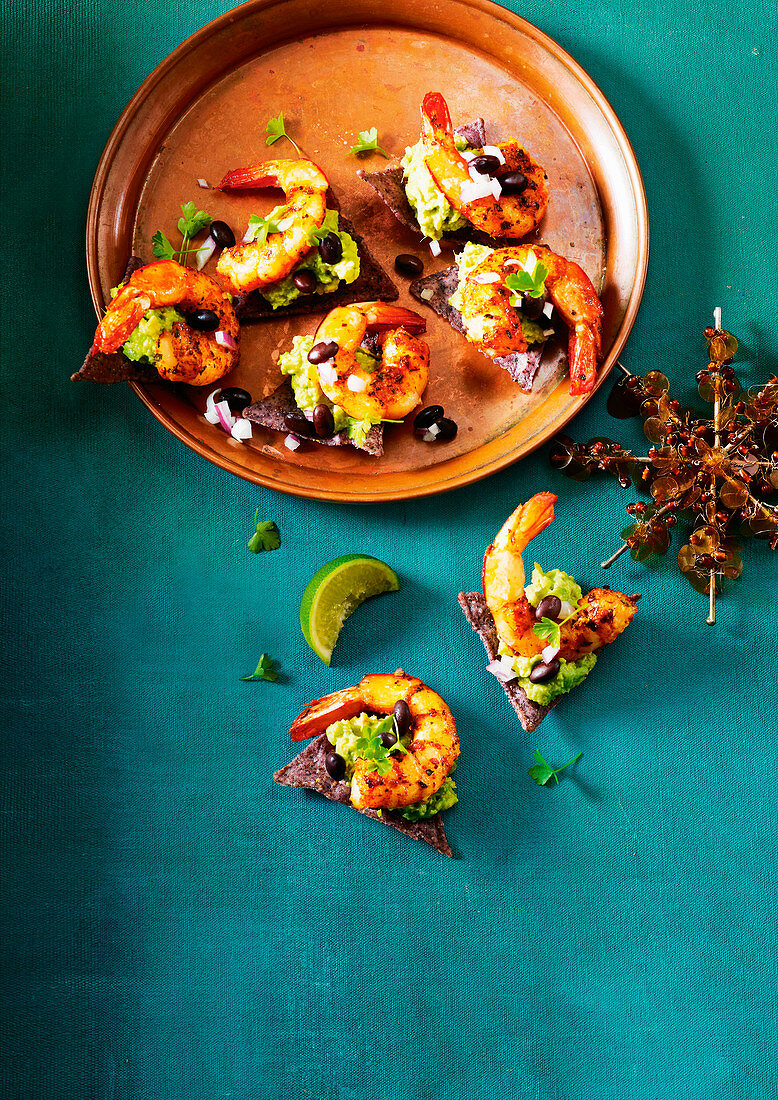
point(372, 749)
point(549, 631)
point(263, 226)
point(368, 143)
point(263, 671)
point(265, 537)
point(276, 130)
point(532, 282)
point(161, 247)
point(542, 772)
point(316, 234)
point(193, 220)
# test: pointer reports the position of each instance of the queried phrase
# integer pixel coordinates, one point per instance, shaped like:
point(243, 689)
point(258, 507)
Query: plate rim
point(479, 471)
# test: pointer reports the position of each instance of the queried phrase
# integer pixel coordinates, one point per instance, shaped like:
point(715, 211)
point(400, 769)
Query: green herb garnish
point(371, 749)
point(263, 671)
point(316, 234)
point(368, 143)
point(192, 222)
point(161, 247)
point(265, 537)
point(543, 772)
point(263, 226)
point(532, 282)
point(276, 130)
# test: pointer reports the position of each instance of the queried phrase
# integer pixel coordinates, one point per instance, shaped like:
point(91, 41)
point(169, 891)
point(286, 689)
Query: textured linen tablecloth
point(176, 927)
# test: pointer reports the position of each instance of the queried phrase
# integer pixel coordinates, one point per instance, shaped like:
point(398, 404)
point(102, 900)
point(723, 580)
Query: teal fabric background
point(176, 927)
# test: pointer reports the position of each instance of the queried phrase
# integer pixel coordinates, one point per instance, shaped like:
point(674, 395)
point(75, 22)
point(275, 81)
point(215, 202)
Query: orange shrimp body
point(415, 775)
point(512, 215)
point(255, 264)
point(396, 385)
point(601, 615)
point(494, 326)
point(183, 354)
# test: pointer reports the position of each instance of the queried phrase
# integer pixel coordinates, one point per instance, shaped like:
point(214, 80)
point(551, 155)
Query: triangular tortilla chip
point(271, 411)
point(308, 770)
point(480, 618)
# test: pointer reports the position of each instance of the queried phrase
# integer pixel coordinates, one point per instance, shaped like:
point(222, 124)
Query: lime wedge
point(336, 590)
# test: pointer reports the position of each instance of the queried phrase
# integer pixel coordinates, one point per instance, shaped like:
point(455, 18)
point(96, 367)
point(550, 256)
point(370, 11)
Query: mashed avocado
point(328, 276)
point(468, 259)
point(308, 393)
point(142, 343)
point(433, 211)
point(553, 583)
point(344, 736)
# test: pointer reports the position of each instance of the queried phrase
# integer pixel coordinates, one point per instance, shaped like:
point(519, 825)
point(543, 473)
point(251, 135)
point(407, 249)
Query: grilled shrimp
point(396, 386)
point(255, 264)
point(513, 215)
point(183, 354)
point(494, 326)
point(601, 615)
point(415, 775)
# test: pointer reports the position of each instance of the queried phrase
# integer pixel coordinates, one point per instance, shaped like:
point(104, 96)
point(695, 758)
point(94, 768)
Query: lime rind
point(335, 591)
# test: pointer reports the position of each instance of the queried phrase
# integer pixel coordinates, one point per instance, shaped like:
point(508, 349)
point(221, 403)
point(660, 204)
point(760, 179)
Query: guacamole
point(328, 276)
point(304, 377)
point(468, 260)
point(433, 211)
point(347, 738)
point(142, 343)
point(553, 583)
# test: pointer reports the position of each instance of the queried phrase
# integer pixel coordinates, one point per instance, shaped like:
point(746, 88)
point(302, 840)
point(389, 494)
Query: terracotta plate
point(336, 69)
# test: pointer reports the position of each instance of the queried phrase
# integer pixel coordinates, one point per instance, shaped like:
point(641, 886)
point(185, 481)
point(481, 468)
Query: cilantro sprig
point(265, 670)
point(372, 749)
point(276, 129)
point(543, 772)
point(531, 282)
point(265, 537)
point(368, 143)
point(551, 631)
point(262, 227)
point(191, 222)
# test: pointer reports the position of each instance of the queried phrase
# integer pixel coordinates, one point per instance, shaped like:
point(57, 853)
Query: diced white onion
point(212, 416)
point(487, 277)
point(519, 301)
point(470, 191)
point(549, 653)
point(226, 419)
point(548, 332)
point(433, 430)
point(225, 340)
point(469, 154)
point(496, 188)
point(512, 263)
point(494, 151)
point(548, 309)
point(503, 674)
point(474, 174)
point(291, 443)
point(327, 374)
point(204, 184)
point(249, 235)
point(356, 385)
point(566, 610)
point(435, 248)
point(241, 429)
point(204, 253)
point(284, 224)
point(427, 294)
point(530, 263)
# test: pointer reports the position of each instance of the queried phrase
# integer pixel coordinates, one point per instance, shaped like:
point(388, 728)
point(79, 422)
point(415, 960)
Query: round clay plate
point(333, 70)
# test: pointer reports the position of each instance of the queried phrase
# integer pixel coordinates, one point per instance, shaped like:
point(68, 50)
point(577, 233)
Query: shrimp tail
point(242, 179)
point(584, 348)
point(529, 520)
point(321, 713)
point(435, 115)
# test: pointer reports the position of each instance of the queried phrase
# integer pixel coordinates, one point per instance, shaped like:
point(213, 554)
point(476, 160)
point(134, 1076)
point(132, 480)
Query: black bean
point(532, 308)
point(221, 234)
point(514, 183)
point(485, 165)
point(544, 671)
point(406, 264)
point(389, 739)
point(550, 607)
point(335, 765)
point(235, 398)
point(205, 320)
point(423, 419)
point(305, 280)
point(321, 352)
point(441, 430)
point(323, 421)
point(401, 718)
point(299, 425)
point(331, 248)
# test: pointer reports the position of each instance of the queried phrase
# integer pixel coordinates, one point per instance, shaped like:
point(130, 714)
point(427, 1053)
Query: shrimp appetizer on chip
point(386, 747)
